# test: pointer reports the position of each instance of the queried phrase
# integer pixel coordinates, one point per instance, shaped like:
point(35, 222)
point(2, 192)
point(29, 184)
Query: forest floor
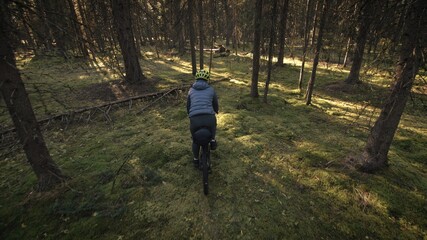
point(280, 171)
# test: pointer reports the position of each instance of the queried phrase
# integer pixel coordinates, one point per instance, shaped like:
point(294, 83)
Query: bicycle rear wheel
point(205, 169)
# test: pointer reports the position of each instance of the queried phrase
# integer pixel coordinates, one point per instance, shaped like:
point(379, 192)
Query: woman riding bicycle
point(202, 104)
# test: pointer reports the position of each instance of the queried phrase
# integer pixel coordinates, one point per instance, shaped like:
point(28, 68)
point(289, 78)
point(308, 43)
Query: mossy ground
point(279, 172)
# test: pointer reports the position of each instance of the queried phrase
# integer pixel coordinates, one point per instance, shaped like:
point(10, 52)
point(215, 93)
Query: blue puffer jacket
point(201, 99)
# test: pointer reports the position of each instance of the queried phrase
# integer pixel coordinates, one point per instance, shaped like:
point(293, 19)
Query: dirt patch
point(342, 87)
point(116, 90)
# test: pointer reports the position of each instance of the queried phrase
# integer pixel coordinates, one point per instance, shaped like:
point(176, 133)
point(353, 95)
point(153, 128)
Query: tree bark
point(20, 109)
point(310, 85)
point(381, 136)
point(282, 32)
point(270, 49)
point(304, 48)
point(192, 36)
point(256, 48)
point(122, 20)
point(365, 20)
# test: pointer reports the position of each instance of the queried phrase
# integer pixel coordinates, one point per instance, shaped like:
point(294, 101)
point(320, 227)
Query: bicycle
point(202, 137)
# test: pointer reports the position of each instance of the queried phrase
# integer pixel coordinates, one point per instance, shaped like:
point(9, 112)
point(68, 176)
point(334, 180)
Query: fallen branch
point(153, 102)
point(129, 100)
point(90, 109)
point(127, 157)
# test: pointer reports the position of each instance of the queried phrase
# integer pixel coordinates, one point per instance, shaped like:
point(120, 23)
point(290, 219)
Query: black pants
point(199, 121)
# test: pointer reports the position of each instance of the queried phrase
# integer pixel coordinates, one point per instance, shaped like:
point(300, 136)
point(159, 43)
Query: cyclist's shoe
point(196, 163)
point(214, 144)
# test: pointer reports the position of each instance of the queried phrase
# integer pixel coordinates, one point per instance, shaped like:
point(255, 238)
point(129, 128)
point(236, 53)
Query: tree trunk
point(19, 106)
point(201, 36)
point(379, 140)
point(122, 20)
point(164, 31)
point(228, 23)
point(397, 32)
point(192, 36)
point(316, 10)
point(347, 50)
point(236, 32)
point(256, 48)
point(178, 27)
point(270, 49)
point(304, 48)
point(100, 19)
point(79, 35)
point(55, 19)
point(45, 35)
point(83, 19)
point(282, 32)
point(365, 20)
point(27, 35)
point(213, 19)
point(310, 85)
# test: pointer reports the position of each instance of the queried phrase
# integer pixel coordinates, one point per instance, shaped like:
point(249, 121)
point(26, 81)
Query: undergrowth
point(279, 172)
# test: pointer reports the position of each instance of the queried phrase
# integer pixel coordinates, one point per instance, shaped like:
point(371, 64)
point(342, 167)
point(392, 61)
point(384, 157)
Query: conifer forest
point(213, 119)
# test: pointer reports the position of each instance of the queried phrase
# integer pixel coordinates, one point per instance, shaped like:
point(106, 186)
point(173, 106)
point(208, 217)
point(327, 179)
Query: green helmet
point(202, 74)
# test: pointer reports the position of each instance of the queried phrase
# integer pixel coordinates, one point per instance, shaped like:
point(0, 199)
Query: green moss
point(279, 170)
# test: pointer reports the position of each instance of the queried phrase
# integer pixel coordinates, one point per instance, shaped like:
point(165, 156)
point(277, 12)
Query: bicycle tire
point(205, 169)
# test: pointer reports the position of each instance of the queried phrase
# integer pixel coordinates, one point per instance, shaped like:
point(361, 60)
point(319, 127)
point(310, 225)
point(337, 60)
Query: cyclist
point(202, 104)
